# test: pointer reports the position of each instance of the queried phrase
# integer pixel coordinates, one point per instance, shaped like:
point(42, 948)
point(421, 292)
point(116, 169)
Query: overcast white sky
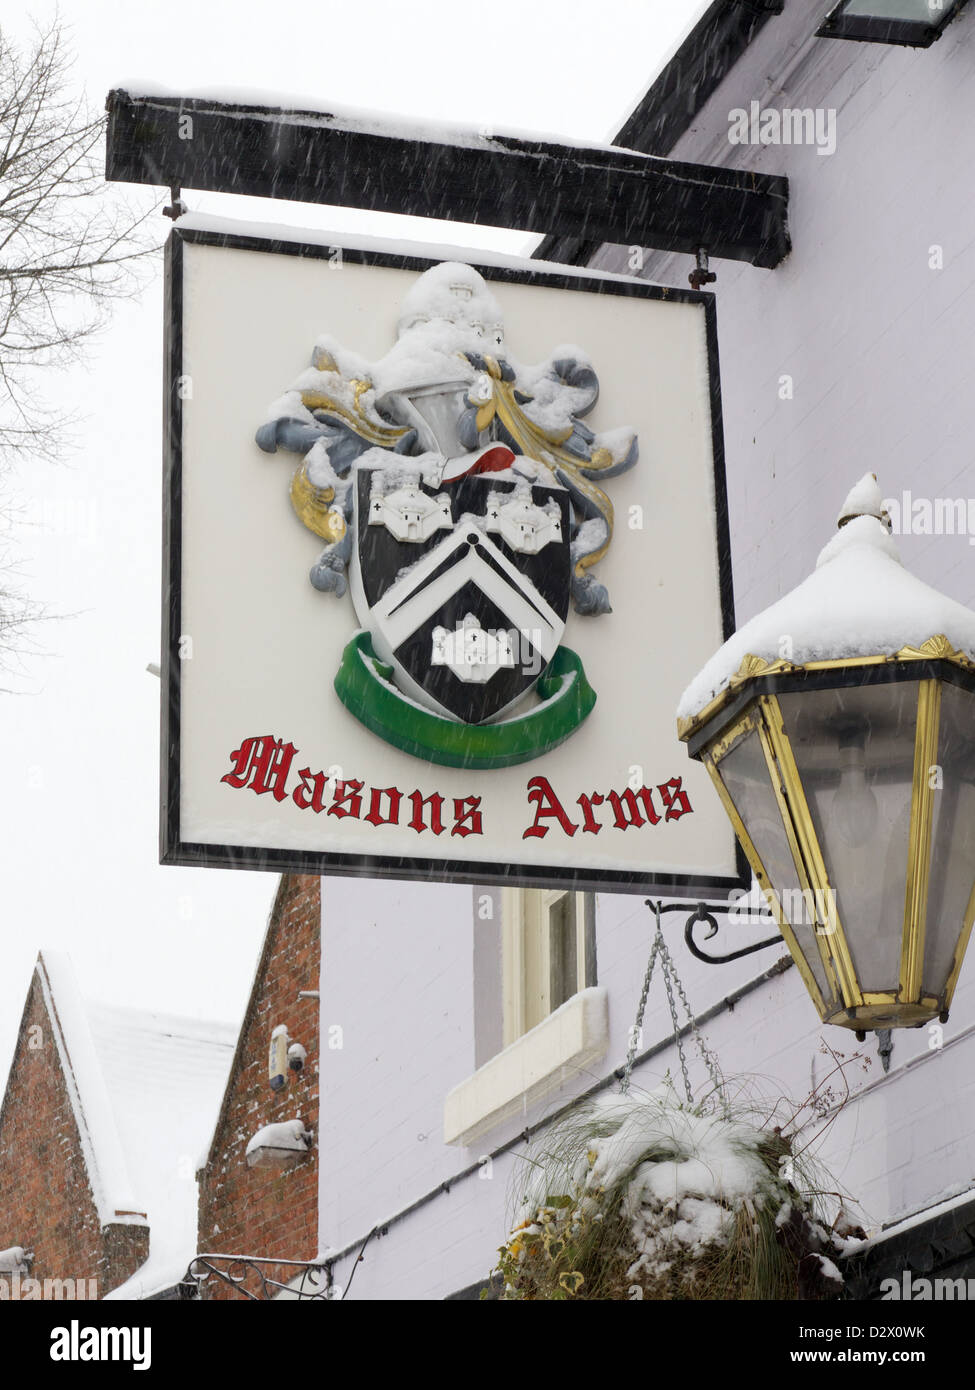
point(79, 794)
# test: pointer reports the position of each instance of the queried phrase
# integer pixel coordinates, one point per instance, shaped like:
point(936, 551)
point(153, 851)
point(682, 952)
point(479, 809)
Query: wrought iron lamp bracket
point(708, 913)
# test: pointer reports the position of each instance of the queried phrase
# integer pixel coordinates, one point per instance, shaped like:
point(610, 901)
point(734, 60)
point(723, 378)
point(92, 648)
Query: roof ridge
point(91, 1104)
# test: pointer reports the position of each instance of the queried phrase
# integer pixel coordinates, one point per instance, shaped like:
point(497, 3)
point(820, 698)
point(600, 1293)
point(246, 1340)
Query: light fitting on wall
point(838, 728)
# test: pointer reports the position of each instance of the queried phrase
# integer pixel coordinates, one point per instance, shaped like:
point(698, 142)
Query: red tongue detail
point(496, 460)
point(493, 460)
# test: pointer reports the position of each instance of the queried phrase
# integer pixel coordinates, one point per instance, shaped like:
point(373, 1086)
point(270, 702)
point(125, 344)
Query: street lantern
point(916, 23)
point(838, 727)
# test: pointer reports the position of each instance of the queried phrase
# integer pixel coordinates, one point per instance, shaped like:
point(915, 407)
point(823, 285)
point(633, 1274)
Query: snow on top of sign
point(390, 246)
point(589, 536)
point(859, 601)
point(426, 354)
point(290, 108)
point(555, 404)
point(350, 364)
point(451, 292)
point(449, 311)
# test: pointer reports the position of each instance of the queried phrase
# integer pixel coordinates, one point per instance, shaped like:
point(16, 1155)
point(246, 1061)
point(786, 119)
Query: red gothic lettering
point(375, 816)
point(627, 803)
point(435, 802)
point(676, 803)
point(649, 810)
point(346, 800)
point(311, 792)
point(546, 804)
point(467, 816)
point(589, 821)
point(263, 763)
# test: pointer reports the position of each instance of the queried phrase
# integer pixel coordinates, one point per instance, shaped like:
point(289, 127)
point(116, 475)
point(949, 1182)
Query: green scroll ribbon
point(364, 685)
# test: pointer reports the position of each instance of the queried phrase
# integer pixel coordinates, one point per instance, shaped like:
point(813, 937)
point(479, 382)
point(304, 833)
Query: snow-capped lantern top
point(829, 725)
point(864, 499)
point(859, 602)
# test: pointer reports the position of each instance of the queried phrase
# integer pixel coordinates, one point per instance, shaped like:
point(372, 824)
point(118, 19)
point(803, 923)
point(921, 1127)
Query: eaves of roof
point(676, 95)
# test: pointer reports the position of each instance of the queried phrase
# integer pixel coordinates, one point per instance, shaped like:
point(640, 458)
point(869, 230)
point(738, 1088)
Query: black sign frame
point(173, 849)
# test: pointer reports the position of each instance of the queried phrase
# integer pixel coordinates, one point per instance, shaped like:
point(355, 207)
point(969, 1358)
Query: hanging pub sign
point(444, 540)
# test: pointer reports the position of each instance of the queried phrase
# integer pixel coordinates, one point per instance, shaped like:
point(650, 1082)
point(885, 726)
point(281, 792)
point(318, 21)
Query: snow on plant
point(646, 1197)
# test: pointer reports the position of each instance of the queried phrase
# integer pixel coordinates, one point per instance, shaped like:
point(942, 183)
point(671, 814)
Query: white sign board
point(444, 543)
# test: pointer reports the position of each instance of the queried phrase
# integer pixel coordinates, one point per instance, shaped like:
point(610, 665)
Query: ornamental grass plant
point(643, 1196)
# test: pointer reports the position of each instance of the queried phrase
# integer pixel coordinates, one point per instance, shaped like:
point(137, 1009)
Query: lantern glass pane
point(744, 772)
point(953, 835)
point(918, 11)
point(854, 749)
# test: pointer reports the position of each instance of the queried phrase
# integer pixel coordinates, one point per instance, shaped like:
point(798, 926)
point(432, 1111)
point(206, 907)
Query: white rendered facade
point(855, 354)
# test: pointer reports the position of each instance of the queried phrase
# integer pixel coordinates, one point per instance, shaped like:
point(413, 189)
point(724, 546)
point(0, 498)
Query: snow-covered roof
point(108, 1174)
point(859, 601)
point(145, 1088)
point(166, 1076)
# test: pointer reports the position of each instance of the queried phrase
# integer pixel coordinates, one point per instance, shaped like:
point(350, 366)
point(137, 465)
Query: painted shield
point(464, 585)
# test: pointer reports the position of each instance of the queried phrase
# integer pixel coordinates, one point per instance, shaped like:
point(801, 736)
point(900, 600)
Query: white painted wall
point(880, 348)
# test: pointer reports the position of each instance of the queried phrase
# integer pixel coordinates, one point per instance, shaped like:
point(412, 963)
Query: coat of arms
point(458, 495)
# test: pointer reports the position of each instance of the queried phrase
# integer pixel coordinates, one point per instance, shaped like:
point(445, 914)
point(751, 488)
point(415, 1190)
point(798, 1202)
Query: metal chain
point(707, 1056)
point(667, 967)
point(672, 982)
point(636, 1032)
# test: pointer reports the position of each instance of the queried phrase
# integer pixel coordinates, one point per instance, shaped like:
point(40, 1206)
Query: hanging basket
point(646, 1197)
point(653, 1197)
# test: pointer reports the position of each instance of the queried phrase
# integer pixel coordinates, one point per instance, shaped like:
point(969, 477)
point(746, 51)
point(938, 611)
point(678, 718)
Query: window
point(548, 952)
point(914, 22)
point(539, 1019)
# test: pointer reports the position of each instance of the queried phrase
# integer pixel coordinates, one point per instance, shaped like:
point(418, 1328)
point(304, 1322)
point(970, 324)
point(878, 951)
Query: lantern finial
point(864, 499)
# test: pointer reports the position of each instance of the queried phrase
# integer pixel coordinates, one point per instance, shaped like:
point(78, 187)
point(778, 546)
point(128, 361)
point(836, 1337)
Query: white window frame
point(538, 1057)
point(527, 956)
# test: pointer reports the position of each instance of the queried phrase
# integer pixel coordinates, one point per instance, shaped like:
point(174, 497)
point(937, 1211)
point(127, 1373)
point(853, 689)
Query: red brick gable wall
point(267, 1211)
point(46, 1200)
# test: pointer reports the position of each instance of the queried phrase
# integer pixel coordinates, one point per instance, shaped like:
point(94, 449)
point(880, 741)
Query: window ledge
point(528, 1069)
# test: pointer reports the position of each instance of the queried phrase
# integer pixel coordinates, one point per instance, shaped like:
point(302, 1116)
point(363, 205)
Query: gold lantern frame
point(750, 704)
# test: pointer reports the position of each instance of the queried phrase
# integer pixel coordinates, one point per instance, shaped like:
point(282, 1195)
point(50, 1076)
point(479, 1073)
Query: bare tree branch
point(69, 244)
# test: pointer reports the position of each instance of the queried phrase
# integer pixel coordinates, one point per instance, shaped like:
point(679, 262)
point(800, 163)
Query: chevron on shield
point(462, 583)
